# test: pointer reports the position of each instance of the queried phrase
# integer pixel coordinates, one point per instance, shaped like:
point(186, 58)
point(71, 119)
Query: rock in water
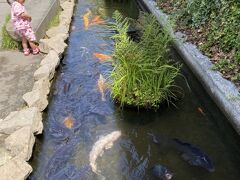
point(161, 172)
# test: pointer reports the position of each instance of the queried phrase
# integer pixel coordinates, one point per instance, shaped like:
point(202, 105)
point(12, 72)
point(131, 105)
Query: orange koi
point(102, 86)
point(97, 20)
point(200, 110)
point(86, 19)
point(101, 57)
point(68, 122)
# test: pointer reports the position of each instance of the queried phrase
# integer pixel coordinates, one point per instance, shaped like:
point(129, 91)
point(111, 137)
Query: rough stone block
point(55, 43)
point(4, 155)
point(45, 71)
point(43, 85)
point(60, 29)
point(67, 5)
point(36, 98)
point(18, 119)
point(15, 169)
point(51, 58)
point(20, 143)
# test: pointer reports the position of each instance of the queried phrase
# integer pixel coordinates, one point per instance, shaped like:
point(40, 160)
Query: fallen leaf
point(68, 122)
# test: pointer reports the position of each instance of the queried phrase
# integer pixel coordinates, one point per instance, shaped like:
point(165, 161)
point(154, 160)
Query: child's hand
point(26, 16)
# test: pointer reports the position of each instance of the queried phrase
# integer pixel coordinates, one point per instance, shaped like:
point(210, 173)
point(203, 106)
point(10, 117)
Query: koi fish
point(102, 86)
point(105, 142)
point(86, 19)
point(66, 87)
point(68, 122)
point(97, 20)
point(200, 110)
point(101, 57)
point(193, 155)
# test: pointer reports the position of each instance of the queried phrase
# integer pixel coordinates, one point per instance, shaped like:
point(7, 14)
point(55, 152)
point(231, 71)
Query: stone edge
point(41, 88)
point(223, 92)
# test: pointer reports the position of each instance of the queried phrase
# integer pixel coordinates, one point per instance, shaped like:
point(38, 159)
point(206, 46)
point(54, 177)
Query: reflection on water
point(78, 116)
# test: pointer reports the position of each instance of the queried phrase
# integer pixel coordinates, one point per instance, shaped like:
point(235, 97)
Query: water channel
point(63, 152)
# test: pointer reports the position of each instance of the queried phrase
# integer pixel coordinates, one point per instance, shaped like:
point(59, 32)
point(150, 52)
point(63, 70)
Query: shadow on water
point(77, 117)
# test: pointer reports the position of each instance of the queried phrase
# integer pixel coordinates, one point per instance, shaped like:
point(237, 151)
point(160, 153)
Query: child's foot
point(35, 51)
point(26, 51)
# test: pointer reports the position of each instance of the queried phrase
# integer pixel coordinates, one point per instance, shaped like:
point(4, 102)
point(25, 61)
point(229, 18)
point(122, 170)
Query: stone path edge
point(223, 92)
point(18, 128)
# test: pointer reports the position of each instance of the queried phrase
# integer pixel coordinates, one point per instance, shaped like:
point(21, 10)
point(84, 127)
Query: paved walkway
point(16, 73)
point(16, 79)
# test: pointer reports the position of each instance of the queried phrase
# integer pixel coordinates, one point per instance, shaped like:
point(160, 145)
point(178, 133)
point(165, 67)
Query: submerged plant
point(142, 75)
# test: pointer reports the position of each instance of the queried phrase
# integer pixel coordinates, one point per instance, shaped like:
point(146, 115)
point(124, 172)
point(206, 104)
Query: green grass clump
point(214, 25)
point(142, 74)
point(55, 20)
point(7, 41)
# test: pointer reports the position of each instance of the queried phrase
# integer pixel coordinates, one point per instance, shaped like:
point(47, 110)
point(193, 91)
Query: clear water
point(62, 153)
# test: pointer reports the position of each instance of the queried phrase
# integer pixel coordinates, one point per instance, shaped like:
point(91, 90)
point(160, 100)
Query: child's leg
point(31, 39)
point(35, 49)
point(24, 43)
point(32, 45)
point(26, 51)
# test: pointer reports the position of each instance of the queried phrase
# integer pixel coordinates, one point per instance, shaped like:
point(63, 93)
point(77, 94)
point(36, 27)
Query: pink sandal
point(35, 51)
point(26, 51)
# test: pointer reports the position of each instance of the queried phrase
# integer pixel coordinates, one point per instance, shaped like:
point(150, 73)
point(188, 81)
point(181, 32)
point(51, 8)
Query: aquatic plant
point(143, 74)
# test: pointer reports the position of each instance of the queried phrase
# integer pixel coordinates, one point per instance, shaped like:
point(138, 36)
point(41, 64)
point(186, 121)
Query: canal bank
point(224, 93)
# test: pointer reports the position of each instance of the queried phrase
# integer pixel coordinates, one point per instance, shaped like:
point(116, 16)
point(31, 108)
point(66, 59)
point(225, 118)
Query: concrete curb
point(223, 92)
point(18, 128)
